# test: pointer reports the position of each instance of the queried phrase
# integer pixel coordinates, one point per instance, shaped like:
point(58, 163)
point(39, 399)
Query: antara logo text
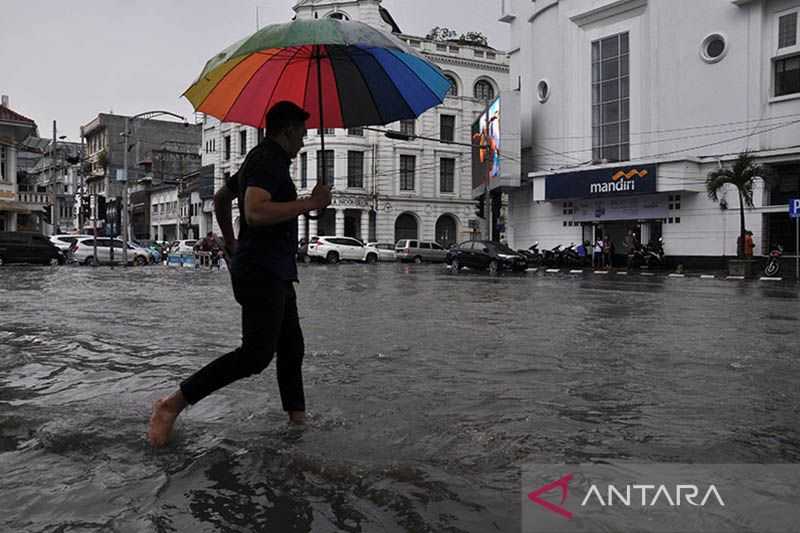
point(621, 181)
point(637, 495)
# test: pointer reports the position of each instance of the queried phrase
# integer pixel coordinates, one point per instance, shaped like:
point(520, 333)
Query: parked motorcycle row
point(651, 256)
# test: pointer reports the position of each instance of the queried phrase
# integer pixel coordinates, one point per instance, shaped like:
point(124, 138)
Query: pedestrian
point(749, 245)
point(263, 272)
point(608, 252)
point(597, 258)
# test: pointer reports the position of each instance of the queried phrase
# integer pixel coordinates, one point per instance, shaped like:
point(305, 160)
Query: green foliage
point(441, 34)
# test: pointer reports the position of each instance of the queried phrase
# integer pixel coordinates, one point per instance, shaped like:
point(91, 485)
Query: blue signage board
point(602, 183)
point(794, 207)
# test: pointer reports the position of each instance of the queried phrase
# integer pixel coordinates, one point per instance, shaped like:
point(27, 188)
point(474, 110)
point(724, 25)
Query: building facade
point(14, 129)
point(385, 189)
point(627, 105)
point(159, 151)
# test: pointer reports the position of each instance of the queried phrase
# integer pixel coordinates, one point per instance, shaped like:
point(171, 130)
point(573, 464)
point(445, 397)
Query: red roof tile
point(7, 115)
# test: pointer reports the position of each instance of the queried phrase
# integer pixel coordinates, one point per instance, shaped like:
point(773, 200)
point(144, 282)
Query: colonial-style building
point(386, 189)
point(628, 104)
point(14, 129)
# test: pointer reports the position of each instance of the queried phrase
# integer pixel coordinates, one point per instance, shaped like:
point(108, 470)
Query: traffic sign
point(794, 207)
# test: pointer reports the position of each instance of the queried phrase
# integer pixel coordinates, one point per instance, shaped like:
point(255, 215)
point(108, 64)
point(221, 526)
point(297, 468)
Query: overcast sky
point(70, 60)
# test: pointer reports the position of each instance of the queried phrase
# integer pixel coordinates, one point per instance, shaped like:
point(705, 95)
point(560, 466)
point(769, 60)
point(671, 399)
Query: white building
point(670, 88)
point(387, 189)
point(164, 213)
point(14, 128)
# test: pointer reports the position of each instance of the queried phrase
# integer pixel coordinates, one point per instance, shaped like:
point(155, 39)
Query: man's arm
point(223, 202)
point(260, 210)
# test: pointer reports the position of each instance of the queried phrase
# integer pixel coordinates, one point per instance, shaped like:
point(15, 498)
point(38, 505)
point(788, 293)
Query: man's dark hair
point(284, 115)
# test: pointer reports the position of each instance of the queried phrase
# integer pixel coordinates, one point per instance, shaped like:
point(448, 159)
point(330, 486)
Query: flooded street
point(427, 392)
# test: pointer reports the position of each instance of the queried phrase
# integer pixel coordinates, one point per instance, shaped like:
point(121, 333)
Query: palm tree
point(740, 176)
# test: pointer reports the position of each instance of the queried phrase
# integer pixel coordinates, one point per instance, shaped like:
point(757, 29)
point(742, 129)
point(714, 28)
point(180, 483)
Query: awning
point(14, 207)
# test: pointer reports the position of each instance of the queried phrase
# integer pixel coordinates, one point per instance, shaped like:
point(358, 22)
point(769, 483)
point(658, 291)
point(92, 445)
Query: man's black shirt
point(265, 251)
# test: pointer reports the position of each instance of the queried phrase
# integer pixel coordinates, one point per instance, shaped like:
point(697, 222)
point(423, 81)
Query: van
point(28, 247)
point(420, 251)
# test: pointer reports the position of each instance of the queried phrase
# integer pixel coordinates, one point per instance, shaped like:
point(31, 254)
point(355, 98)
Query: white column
point(12, 222)
point(160, 232)
point(301, 227)
point(340, 222)
point(365, 225)
point(312, 226)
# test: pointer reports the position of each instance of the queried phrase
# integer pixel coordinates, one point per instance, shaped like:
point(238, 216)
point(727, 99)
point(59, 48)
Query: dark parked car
point(28, 247)
point(485, 255)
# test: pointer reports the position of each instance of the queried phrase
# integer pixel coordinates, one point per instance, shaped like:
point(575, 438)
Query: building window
point(454, 49)
point(327, 176)
point(326, 131)
point(484, 90)
point(787, 30)
point(543, 91)
point(491, 55)
point(338, 16)
point(441, 48)
point(447, 173)
point(3, 163)
point(453, 90)
point(407, 127)
point(227, 148)
point(713, 48)
point(787, 76)
point(407, 167)
point(479, 53)
point(355, 169)
point(304, 170)
point(356, 132)
point(611, 99)
point(447, 127)
point(243, 142)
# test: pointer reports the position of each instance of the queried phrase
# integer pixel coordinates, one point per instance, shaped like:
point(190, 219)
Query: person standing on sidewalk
point(263, 272)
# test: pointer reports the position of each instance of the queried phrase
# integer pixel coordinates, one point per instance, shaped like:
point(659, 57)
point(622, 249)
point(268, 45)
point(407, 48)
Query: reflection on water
point(427, 392)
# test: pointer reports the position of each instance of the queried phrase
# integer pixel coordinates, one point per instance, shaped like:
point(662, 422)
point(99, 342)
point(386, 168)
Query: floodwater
point(427, 393)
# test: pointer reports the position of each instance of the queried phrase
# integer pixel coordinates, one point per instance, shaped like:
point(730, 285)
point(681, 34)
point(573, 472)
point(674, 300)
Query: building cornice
point(606, 10)
point(449, 60)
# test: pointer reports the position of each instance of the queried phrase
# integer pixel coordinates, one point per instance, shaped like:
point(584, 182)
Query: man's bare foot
point(297, 418)
point(165, 412)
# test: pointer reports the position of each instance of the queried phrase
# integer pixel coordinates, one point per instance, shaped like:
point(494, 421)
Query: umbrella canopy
point(363, 75)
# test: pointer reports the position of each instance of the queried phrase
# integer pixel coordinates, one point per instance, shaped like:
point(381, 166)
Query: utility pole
point(53, 178)
point(125, 135)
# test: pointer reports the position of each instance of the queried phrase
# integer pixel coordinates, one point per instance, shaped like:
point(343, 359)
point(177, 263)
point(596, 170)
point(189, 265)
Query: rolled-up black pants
point(270, 324)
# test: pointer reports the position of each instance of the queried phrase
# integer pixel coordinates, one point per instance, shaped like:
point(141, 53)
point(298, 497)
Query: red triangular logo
point(563, 484)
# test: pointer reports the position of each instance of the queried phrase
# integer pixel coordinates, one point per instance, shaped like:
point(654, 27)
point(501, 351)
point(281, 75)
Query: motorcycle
point(570, 257)
point(552, 258)
point(653, 254)
point(532, 255)
point(773, 267)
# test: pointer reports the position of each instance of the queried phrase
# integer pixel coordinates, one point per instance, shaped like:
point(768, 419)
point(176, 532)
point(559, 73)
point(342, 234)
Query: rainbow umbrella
point(344, 73)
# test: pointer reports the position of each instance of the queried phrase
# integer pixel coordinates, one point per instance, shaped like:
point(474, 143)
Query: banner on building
point(602, 183)
point(646, 207)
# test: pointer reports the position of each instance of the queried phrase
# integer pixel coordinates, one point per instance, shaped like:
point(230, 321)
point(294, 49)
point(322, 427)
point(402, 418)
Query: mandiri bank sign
point(602, 183)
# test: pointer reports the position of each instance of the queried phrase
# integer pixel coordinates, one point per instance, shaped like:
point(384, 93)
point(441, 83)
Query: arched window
point(339, 16)
point(484, 90)
point(453, 90)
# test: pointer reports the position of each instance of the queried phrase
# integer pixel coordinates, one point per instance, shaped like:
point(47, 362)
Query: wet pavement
point(427, 392)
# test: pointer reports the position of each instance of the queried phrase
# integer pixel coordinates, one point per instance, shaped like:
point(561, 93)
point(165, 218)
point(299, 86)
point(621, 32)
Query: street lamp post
point(126, 136)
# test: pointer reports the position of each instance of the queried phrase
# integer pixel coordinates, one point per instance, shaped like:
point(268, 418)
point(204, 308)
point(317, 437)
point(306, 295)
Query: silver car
point(83, 251)
point(385, 250)
point(420, 251)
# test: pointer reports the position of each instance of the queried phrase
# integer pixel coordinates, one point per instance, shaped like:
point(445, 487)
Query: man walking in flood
point(263, 272)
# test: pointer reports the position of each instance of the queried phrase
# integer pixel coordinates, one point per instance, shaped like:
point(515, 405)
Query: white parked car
point(335, 249)
point(63, 242)
point(386, 250)
point(83, 251)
